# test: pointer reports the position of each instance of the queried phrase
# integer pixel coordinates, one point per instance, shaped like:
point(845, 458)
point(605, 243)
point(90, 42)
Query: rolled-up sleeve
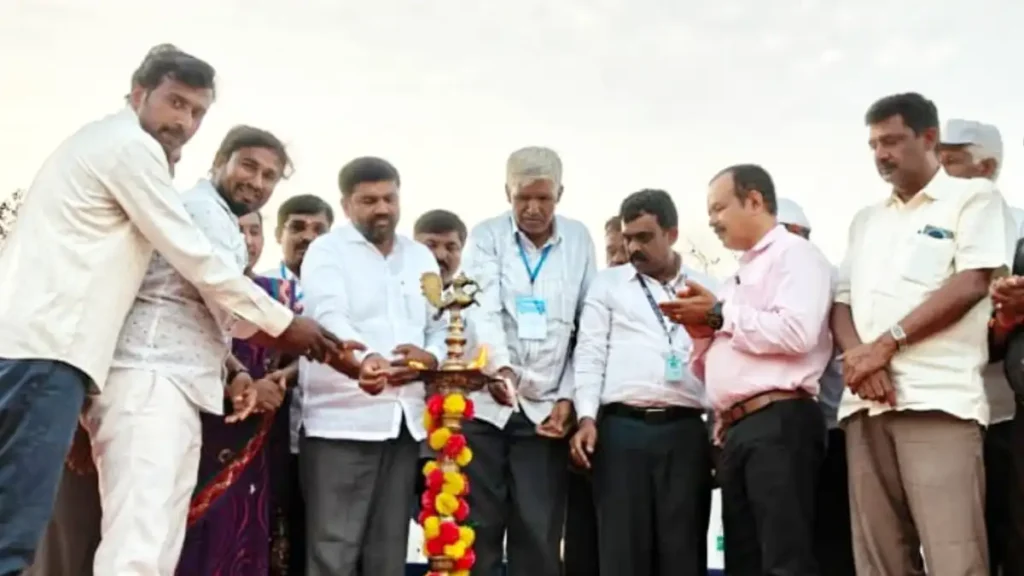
point(985, 231)
point(141, 183)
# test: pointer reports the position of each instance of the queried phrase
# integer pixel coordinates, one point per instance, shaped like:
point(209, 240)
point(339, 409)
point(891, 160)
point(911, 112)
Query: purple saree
point(233, 517)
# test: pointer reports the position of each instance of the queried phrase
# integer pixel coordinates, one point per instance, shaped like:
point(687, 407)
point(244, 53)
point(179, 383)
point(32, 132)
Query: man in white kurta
point(97, 209)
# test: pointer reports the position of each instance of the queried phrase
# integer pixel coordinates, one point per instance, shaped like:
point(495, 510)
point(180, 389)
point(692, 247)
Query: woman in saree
point(233, 525)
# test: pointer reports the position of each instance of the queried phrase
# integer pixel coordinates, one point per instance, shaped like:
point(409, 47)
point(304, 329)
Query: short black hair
point(366, 169)
point(657, 203)
point(304, 205)
point(613, 225)
point(440, 222)
point(747, 178)
point(917, 112)
point(168, 62)
point(258, 214)
point(243, 136)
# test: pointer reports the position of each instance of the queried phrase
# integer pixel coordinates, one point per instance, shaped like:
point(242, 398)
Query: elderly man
point(832, 537)
point(969, 149)
point(910, 316)
point(533, 268)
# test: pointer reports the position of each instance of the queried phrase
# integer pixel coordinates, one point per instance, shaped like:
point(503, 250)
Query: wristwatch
point(714, 317)
point(897, 333)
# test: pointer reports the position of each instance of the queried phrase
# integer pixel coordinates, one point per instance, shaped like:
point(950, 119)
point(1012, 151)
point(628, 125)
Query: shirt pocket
point(927, 261)
point(415, 305)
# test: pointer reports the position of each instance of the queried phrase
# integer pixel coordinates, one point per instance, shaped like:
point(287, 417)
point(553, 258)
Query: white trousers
point(146, 437)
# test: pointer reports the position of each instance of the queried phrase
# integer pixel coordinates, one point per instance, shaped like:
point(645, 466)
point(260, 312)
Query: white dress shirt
point(87, 228)
point(622, 346)
point(359, 294)
point(282, 272)
point(170, 329)
point(892, 266)
point(492, 258)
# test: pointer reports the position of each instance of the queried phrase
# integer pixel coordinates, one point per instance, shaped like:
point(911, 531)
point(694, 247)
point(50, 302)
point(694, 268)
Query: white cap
point(792, 214)
point(960, 132)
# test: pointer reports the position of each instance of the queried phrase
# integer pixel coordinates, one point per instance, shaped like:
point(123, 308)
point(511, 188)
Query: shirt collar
point(517, 235)
point(286, 272)
point(935, 189)
point(678, 280)
point(208, 187)
point(350, 234)
point(767, 240)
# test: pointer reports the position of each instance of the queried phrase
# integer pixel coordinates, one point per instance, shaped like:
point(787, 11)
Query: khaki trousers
point(146, 438)
point(917, 479)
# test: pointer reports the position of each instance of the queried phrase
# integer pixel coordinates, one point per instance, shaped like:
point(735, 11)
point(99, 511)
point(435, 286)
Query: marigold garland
point(444, 505)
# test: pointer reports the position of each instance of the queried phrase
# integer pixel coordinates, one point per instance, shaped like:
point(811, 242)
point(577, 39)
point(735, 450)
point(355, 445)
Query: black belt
point(651, 415)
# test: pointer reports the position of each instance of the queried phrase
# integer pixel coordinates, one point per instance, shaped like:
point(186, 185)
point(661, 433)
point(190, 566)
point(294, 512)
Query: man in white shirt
point(970, 149)
point(300, 220)
point(69, 544)
point(360, 438)
point(911, 313)
point(640, 408)
point(445, 234)
point(168, 366)
point(533, 268)
point(832, 537)
point(97, 209)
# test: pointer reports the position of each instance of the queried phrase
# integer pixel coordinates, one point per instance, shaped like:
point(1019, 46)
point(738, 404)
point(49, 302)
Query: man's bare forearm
point(843, 330)
point(947, 305)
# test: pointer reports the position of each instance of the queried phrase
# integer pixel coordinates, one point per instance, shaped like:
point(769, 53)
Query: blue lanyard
point(533, 272)
point(657, 311)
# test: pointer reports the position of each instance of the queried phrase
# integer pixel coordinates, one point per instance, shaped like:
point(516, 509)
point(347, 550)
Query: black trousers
point(769, 475)
point(1004, 506)
point(652, 486)
point(833, 537)
point(518, 484)
point(579, 554)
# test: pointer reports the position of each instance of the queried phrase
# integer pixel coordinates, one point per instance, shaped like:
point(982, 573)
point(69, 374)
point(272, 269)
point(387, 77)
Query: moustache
point(442, 265)
point(637, 257)
point(175, 132)
point(884, 166)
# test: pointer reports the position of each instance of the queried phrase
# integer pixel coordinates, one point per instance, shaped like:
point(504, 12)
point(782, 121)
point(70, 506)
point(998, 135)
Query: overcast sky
point(632, 94)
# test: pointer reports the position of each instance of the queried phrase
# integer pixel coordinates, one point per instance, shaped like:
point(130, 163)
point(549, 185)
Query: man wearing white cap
point(969, 149)
point(833, 538)
point(533, 268)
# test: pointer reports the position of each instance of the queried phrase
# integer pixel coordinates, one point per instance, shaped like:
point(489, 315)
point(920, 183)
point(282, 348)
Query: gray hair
point(527, 165)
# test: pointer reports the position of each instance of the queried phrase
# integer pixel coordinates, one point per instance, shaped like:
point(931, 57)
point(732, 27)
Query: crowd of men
point(857, 419)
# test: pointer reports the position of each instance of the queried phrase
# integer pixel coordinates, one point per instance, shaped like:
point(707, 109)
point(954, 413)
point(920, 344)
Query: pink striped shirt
point(775, 334)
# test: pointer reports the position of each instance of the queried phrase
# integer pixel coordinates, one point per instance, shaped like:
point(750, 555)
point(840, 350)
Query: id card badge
point(532, 317)
point(673, 367)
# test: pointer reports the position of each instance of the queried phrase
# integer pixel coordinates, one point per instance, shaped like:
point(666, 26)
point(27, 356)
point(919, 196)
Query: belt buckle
point(655, 415)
